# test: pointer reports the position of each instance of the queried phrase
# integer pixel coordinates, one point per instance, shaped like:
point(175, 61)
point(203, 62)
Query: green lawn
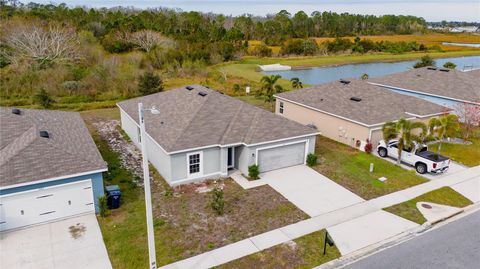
point(350, 168)
point(304, 252)
point(444, 196)
point(185, 224)
point(468, 155)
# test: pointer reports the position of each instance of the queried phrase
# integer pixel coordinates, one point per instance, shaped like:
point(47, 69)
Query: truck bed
point(432, 156)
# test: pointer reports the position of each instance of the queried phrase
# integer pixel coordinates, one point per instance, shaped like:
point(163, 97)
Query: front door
point(231, 158)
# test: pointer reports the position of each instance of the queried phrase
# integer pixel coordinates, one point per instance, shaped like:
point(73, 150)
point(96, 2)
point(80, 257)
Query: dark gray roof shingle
point(452, 84)
point(188, 120)
point(377, 105)
point(27, 157)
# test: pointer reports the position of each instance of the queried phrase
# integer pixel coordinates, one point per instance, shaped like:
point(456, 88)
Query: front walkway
point(269, 239)
point(74, 243)
point(310, 191)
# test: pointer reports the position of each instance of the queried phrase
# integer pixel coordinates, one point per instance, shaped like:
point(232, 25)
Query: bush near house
point(253, 171)
point(311, 159)
point(102, 204)
point(217, 203)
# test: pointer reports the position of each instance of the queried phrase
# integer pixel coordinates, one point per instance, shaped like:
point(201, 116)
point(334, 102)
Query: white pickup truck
point(418, 156)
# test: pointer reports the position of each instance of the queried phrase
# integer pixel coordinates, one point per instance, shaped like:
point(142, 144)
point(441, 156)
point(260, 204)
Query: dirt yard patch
point(185, 224)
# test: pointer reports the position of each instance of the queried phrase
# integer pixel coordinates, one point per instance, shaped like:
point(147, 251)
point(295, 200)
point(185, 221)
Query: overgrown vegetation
point(443, 196)
point(217, 202)
point(103, 207)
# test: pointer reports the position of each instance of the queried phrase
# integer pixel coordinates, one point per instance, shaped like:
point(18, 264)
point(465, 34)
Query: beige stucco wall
point(335, 128)
point(332, 127)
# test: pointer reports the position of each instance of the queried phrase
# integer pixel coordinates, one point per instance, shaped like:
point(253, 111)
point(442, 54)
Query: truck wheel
point(421, 168)
point(382, 152)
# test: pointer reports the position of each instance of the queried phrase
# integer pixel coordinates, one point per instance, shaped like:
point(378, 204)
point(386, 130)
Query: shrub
point(103, 207)
point(236, 87)
point(449, 65)
point(150, 83)
point(311, 159)
point(424, 61)
point(262, 50)
point(217, 203)
point(253, 171)
point(300, 47)
point(42, 97)
point(368, 147)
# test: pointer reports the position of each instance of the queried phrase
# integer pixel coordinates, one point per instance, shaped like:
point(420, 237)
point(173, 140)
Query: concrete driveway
point(310, 191)
point(74, 243)
point(367, 230)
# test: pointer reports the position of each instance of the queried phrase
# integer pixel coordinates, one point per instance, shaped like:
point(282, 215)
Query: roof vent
point(431, 68)
point(44, 134)
point(445, 70)
point(16, 111)
point(344, 81)
point(311, 125)
point(202, 94)
point(356, 99)
point(189, 88)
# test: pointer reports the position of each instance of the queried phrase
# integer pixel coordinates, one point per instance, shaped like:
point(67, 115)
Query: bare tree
point(41, 44)
point(147, 40)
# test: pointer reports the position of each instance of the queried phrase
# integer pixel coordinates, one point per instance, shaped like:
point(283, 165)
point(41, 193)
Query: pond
point(320, 75)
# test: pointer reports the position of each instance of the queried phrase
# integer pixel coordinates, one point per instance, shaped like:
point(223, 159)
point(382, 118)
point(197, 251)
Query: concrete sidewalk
point(266, 240)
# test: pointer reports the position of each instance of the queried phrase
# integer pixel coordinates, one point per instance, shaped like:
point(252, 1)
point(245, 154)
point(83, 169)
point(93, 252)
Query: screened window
point(281, 108)
point(194, 163)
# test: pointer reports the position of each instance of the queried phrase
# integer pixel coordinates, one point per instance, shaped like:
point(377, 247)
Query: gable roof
point(376, 106)
point(452, 84)
point(25, 156)
point(188, 120)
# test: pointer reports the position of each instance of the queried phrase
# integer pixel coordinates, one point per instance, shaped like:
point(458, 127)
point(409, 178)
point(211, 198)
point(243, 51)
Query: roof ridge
point(23, 140)
point(230, 124)
point(191, 119)
point(253, 126)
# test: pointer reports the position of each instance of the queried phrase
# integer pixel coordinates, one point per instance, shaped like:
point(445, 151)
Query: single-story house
point(50, 167)
point(201, 134)
point(352, 111)
point(446, 87)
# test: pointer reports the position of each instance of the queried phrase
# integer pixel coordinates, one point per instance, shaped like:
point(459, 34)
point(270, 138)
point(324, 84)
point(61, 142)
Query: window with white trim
point(194, 163)
point(281, 108)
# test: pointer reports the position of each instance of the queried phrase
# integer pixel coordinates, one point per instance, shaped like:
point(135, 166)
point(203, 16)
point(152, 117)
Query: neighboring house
point(352, 111)
point(445, 87)
point(201, 134)
point(50, 167)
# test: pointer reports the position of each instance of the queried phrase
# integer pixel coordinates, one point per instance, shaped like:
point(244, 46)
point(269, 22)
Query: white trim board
point(52, 179)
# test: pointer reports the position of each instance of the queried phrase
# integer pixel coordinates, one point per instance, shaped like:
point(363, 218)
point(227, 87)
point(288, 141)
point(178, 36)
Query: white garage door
point(46, 204)
point(280, 157)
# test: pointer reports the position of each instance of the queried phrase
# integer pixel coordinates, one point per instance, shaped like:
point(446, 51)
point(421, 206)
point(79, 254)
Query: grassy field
point(185, 224)
point(468, 155)
point(350, 168)
point(304, 252)
point(444, 196)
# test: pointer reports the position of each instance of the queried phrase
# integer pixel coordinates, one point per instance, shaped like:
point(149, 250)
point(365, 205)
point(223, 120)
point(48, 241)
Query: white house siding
point(248, 155)
point(156, 155)
point(211, 163)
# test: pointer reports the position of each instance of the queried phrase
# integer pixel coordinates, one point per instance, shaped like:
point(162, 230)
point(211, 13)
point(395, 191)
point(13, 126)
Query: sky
point(431, 10)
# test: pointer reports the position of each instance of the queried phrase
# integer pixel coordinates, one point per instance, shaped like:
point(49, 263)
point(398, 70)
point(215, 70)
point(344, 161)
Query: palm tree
point(445, 126)
point(296, 83)
point(269, 86)
point(404, 131)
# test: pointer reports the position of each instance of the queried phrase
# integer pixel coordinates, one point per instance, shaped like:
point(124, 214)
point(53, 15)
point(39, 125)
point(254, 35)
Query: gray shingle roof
point(27, 157)
point(377, 105)
point(453, 84)
point(188, 120)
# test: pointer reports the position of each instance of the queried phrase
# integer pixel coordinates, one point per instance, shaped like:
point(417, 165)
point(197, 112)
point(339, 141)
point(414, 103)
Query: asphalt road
point(454, 245)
